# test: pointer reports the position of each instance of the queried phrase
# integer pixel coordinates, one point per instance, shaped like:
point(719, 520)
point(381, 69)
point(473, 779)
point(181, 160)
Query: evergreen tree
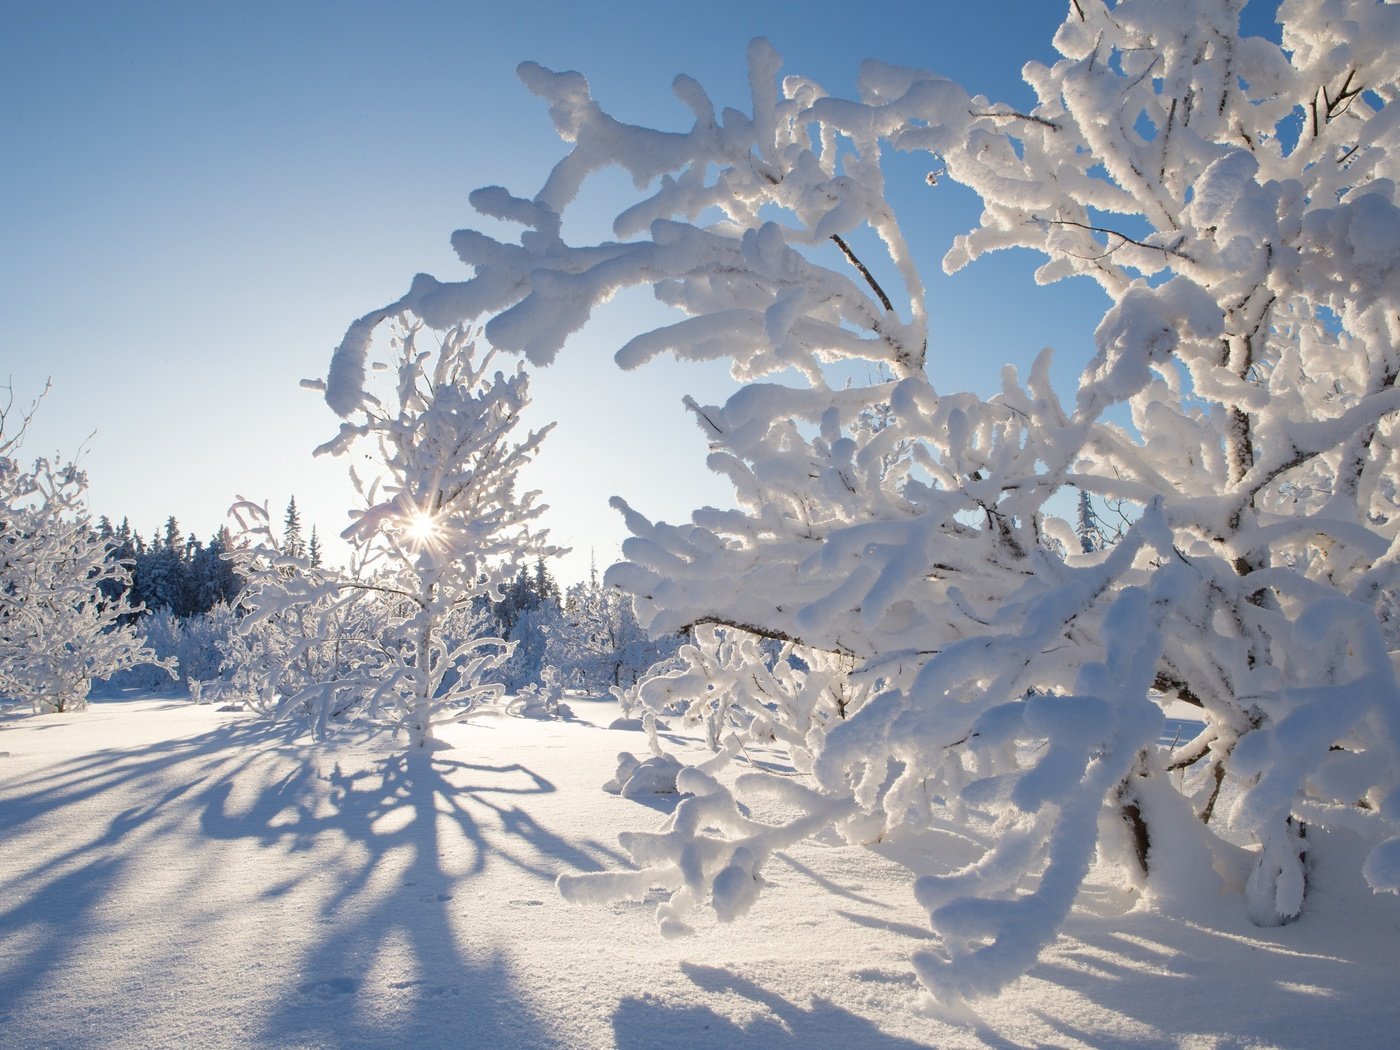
point(212, 576)
point(291, 533)
point(546, 587)
point(1086, 526)
point(160, 581)
point(518, 597)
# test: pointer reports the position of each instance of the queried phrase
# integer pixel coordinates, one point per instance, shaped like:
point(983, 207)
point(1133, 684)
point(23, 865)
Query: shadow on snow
point(369, 928)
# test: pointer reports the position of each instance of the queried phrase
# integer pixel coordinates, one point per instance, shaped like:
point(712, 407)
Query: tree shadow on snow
point(370, 923)
point(51, 898)
point(411, 832)
point(647, 1023)
point(1230, 984)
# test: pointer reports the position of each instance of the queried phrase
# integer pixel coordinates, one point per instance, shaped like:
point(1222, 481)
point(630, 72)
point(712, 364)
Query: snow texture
point(175, 875)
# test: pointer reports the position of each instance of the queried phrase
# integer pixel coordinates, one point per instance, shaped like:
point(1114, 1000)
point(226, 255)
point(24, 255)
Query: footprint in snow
point(329, 988)
point(886, 977)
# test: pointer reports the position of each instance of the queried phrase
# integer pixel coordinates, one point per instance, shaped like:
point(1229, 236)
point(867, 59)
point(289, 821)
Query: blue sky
point(198, 198)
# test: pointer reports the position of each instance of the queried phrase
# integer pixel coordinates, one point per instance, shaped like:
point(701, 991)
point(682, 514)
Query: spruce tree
point(1086, 526)
point(291, 534)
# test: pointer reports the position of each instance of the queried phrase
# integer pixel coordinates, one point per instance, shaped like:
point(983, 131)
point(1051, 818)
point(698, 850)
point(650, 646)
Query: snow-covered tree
point(1236, 200)
point(1087, 528)
point(534, 641)
point(162, 580)
point(731, 682)
point(600, 644)
point(59, 629)
point(443, 526)
point(213, 580)
point(194, 647)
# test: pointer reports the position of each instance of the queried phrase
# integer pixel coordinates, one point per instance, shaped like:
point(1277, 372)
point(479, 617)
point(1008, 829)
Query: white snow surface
point(174, 875)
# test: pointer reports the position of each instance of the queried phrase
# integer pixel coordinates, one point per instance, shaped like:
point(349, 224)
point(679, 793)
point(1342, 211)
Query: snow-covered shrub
point(533, 641)
point(194, 646)
point(1236, 201)
point(541, 700)
point(628, 703)
point(600, 646)
point(161, 632)
point(639, 777)
point(203, 638)
point(59, 630)
point(729, 680)
point(297, 632)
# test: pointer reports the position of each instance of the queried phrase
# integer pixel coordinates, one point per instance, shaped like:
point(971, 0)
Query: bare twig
point(10, 442)
point(1011, 114)
point(1121, 236)
point(875, 285)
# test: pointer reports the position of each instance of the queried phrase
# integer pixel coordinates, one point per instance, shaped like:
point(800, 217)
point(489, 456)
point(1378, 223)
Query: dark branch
point(1122, 237)
point(762, 632)
point(1011, 114)
point(1167, 683)
point(851, 257)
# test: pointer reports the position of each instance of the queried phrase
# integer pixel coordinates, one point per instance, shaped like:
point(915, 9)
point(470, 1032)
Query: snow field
point(172, 875)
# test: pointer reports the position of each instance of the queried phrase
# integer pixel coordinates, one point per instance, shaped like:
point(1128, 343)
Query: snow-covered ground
point(176, 876)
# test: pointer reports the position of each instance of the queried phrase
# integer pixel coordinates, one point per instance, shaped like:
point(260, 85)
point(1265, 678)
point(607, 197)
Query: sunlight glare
point(422, 529)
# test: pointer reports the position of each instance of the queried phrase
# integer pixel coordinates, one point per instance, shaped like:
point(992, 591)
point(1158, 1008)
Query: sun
point(422, 529)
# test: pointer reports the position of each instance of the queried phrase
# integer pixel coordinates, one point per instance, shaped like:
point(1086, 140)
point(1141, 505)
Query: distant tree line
point(182, 575)
point(171, 571)
point(188, 595)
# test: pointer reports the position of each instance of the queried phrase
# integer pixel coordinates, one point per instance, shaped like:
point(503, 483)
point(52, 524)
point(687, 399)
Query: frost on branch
point(752, 292)
point(1236, 201)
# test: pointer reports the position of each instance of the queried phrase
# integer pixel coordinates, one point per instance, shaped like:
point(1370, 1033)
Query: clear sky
point(197, 198)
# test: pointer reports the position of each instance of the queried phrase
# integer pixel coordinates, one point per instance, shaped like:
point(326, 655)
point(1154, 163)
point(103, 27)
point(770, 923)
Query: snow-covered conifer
point(313, 549)
point(1086, 526)
point(291, 530)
